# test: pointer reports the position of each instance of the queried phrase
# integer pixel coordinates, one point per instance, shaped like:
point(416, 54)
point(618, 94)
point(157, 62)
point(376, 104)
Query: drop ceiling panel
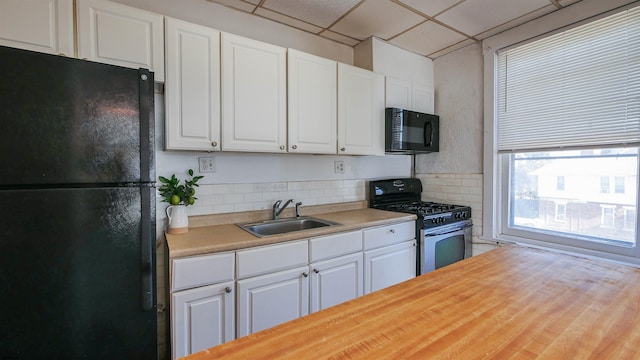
point(379, 18)
point(408, 24)
point(427, 38)
point(471, 16)
point(283, 19)
point(320, 13)
point(431, 7)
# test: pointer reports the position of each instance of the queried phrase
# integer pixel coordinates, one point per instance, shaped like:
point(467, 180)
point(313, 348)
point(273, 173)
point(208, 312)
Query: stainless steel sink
point(283, 226)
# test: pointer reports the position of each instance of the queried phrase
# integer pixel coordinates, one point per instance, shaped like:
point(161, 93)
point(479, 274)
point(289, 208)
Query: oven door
point(444, 245)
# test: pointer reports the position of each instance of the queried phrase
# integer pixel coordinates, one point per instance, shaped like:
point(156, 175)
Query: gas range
point(404, 195)
point(443, 226)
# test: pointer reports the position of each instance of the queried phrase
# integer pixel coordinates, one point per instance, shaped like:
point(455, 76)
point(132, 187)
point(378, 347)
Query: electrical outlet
point(207, 164)
point(338, 167)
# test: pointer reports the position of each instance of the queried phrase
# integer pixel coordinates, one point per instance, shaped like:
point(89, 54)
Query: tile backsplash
point(460, 189)
point(228, 198)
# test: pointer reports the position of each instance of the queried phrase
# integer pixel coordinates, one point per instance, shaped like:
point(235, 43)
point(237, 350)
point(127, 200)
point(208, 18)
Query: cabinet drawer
point(261, 260)
point(389, 234)
point(201, 270)
point(335, 245)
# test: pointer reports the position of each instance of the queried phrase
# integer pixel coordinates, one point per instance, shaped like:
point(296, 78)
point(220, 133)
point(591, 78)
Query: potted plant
point(178, 196)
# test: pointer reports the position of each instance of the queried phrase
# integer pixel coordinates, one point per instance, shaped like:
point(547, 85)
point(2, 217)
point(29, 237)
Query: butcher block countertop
point(213, 234)
point(509, 303)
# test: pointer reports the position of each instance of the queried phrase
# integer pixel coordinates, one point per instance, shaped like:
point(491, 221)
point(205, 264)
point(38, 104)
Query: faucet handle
point(277, 203)
point(298, 208)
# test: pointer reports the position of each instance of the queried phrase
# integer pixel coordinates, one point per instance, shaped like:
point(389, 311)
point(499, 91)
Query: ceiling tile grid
point(430, 28)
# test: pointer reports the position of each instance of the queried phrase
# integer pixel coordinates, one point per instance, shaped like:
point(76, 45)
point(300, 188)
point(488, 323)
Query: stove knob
point(434, 221)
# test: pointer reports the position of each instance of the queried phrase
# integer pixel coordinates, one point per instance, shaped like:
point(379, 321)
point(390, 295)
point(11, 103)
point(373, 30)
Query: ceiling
point(427, 27)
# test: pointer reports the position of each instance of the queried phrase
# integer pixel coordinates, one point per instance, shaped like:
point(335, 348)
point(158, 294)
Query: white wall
point(384, 58)
point(458, 80)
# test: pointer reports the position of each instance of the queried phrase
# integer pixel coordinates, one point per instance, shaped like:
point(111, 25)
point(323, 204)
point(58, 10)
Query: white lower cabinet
point(336, 281)
point(389, 255)
point(268, 300)
point(389, 265)
point(281, 282)
point(202, 318)
point(202, 302)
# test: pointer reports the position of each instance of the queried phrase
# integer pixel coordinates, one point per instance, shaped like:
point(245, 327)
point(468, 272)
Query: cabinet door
point(336, 281)
point(38, 25)
point(254, 113)
point(116, 34)
point(398, 93)
point(312, 97)
point(192, 86)
point(422, 99)
point(389, 265)
point(360, 111)
point(268, 300)
point(201, 318)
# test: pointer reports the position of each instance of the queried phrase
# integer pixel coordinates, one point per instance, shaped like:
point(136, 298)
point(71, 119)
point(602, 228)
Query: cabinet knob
point(294, 147)
point(393, 231)
point(305, 274)
point(214, 143)
point(281, 147)
point(342, 149)
point(316, 271)
point(228, 289)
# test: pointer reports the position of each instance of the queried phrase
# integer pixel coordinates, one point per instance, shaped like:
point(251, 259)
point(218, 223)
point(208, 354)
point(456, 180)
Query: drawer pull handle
point(305, 274)
point(228, 289)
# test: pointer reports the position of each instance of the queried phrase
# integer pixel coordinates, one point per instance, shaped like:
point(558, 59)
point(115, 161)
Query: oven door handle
point(465, 226)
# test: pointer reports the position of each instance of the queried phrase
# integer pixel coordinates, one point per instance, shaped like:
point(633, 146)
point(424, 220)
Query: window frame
point(497, 166)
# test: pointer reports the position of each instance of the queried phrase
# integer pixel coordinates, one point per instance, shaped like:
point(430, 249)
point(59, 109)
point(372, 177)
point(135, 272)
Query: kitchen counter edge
point(229, 237)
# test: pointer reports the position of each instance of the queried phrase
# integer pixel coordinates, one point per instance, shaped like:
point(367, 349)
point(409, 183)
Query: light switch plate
point(207, 164)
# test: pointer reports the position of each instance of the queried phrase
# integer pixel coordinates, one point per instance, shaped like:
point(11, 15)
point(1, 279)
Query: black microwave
point(409, 132)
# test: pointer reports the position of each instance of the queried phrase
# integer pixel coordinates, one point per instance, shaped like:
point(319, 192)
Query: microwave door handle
point(428, 125)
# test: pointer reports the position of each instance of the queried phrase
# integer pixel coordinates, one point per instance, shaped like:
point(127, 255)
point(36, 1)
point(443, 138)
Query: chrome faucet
point(277, 210)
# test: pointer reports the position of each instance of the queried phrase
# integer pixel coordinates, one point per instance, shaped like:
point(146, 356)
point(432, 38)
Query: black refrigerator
point(77, 209)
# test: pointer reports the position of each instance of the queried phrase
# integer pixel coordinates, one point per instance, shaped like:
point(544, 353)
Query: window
point(604, 185)
point(561, 212)
point(565, 117)
point(619, 185)
point(607, 218)
point(560, 183)
point(629, 218)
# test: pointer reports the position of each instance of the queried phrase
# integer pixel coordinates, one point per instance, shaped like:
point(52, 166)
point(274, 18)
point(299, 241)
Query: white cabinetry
point(280, 294)
point(202, 302)
point(336, 269)
point(116, 34)
point(254, 112)
point(389, 256)
point(406, 95)
point(192, 86)
point(38, 25)
point(360, 111)
point(312, 98)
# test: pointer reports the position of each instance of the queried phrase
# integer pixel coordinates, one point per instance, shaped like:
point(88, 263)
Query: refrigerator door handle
point(147, 244)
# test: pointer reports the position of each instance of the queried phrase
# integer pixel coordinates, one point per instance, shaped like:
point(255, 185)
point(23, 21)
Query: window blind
point(576, 89)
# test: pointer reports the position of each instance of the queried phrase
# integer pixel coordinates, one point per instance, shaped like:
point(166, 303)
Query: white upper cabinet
point(38, 25)
point(116, 34)
point(398, 93)
point(254, 95)
point(192, 86)
point(422, 99)
point(312, 103)
point(406, 95)
point(360, 111)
